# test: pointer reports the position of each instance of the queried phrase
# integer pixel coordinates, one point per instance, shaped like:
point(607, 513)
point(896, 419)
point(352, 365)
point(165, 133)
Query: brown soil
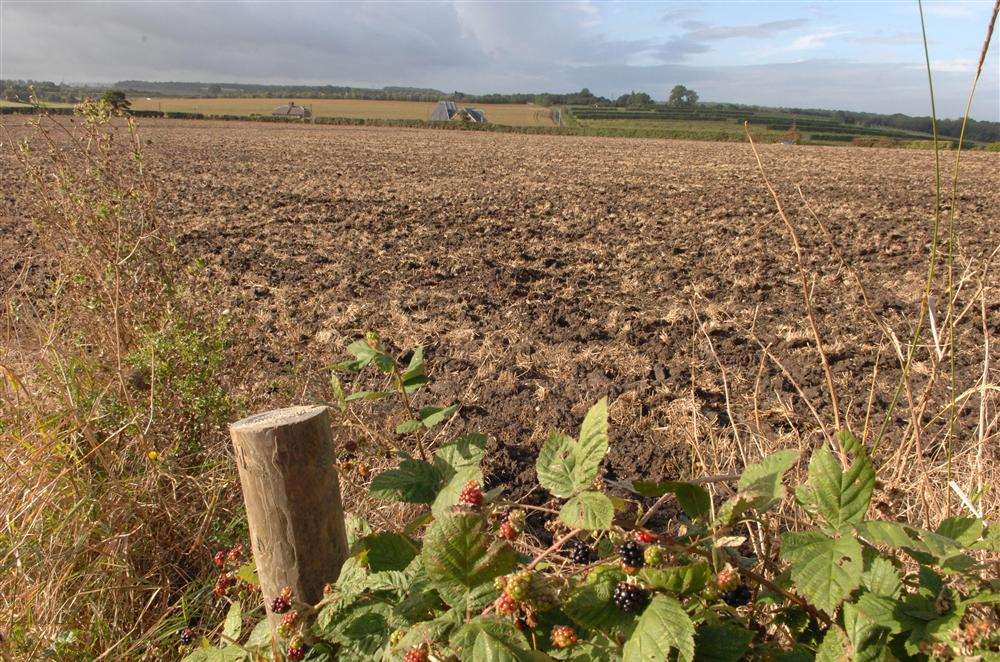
point(544, 272)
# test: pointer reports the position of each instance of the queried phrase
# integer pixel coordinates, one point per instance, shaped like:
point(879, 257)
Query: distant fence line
point(608, 132)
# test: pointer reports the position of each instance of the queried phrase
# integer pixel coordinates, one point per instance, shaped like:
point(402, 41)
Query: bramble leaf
point(761, 482)
point(721, 643)
point(835, 496)
point(460, 557)
point(592, 445)
point(825, 570)
point(588, 510)
point(680, 580)
point(233, 625)
point(413, 481)
point(693, 498)
point(664, 625)
point(556, 465)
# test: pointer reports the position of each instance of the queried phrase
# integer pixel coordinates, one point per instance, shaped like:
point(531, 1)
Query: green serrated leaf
point(963, 530)
point(367, 395)
point(362, 351)
point(260, 637)
point(592, 445)
point(834, 647)
point(431, 416)
point(388, 551)
point(838, 497)
point(407, 427)
point(824, 569)
point(232, 627)
point(680, 580)
point(881, 577)
point(663, 626)
point(761, 482)
point(721, 643)
point(556, 465)
point(460, 556)
point(588, 510)
point(413, 481)
point(694, 499)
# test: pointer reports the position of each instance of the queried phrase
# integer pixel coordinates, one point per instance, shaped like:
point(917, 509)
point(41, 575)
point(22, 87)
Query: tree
point(682, 96)
point(117, 100)
point(635, 100)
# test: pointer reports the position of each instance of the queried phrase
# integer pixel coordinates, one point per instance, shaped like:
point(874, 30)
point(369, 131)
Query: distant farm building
point(291, 110)
point(446, 111)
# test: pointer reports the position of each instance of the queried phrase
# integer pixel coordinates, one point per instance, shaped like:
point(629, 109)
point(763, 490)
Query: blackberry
point(283, 602)
point(642, 535)
point(580, 552)
point(519, 585)
point(187, 636)
point(563, 636)
point(471, 495)
point(631, 553)
point(505, 605)
point(737, 597)
point(297, 652)
point(416, 654)
point(507, 531)
point(727, 579)
point(630, 598)
point(653, 555)
point(220, 558)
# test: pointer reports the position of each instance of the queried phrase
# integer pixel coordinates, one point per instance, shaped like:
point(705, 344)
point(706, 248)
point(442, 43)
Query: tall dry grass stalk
point(111, 406)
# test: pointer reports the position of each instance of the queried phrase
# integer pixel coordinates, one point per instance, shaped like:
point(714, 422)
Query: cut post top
point(277, 418)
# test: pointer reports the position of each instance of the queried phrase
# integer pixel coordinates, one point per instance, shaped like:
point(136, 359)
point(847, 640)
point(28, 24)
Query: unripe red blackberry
point(416, 654)
point(235, 555)
point(563, 636)
point(187, 636)
point(283, 602)
point(223, 583)
point(507, 531)
point(580, 552)
point(519, 585)
point(220, 558)
point(471, 495)
point(642, 535)
point(727, 579)
point(288, 624)
point(297, 652)
point(738, 597)
point(631, 553)
point(630, 598)
point(505, 605)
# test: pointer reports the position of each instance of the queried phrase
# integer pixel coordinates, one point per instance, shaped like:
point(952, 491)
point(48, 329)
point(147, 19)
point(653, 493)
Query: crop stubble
point(544, 272)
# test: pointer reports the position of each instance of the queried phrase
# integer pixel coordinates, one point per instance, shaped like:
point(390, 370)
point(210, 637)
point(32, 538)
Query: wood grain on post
point(292, 495)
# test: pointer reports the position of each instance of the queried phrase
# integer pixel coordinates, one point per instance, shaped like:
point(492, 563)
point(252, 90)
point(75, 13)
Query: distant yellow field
point(511, 114)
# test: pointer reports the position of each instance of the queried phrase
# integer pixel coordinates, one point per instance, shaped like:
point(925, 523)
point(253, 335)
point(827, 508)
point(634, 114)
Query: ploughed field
point(543, 272)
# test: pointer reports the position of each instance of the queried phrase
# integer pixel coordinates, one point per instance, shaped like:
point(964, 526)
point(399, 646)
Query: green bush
point(615, 586)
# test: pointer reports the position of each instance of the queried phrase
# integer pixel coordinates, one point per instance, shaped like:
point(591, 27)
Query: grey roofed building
point(291, 110)
point(443, 111)
point(446, 111)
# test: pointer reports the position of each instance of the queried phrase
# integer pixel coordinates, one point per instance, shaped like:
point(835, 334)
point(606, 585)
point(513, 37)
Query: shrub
point(831, 583)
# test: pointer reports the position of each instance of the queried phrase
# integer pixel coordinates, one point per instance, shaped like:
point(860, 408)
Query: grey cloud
point(758, 31)
point(474, 47)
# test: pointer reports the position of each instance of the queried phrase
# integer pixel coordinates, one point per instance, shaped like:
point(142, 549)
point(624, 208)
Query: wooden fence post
point(292, 495)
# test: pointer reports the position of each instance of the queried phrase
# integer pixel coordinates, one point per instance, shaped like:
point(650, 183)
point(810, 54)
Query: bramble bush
point(726, 579)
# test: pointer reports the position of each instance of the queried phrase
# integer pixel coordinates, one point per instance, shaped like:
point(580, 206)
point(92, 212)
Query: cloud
point(814, 40)
point(758, 31)
point(470, 46)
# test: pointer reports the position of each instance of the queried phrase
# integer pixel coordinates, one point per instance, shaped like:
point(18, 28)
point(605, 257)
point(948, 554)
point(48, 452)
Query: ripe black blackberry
point(187, 636)
point(631, 553)
point(737, 597)
point(630, 598)
point(580, 552)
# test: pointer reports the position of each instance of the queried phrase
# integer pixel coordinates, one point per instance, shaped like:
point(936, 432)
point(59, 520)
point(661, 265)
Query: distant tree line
point(680, 97)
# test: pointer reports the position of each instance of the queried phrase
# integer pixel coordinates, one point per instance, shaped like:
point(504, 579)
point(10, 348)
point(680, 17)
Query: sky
point(821, 54)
